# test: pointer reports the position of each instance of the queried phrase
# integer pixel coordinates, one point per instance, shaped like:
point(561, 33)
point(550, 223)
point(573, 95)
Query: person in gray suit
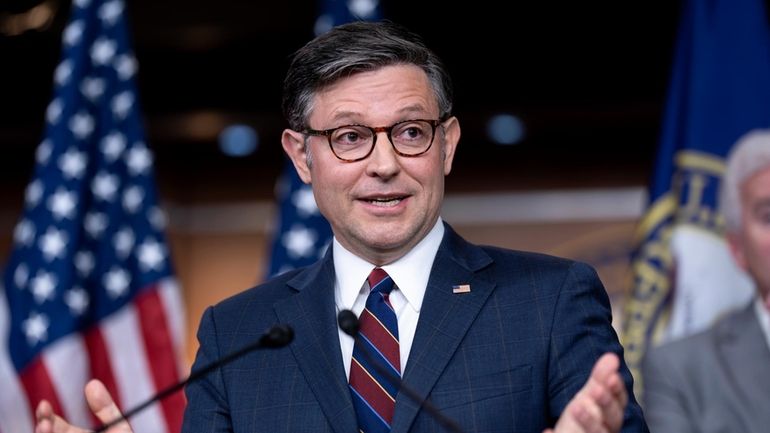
point(497, 340)
point(716, 380)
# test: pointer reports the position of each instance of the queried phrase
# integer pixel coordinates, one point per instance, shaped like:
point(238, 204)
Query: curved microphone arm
point(275, 337)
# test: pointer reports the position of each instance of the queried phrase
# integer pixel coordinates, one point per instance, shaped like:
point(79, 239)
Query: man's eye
point(349, 136)
point(413, 132)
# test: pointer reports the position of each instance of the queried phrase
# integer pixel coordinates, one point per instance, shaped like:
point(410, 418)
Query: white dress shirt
point(410, 274)
point(763, 315)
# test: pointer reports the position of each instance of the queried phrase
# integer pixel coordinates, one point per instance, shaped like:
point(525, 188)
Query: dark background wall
point(587, 78)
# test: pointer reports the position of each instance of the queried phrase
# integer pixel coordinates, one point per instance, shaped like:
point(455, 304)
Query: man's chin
point(391, 245)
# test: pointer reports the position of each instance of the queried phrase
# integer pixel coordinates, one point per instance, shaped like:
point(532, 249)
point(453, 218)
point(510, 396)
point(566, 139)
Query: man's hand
point(598, 406)
point(101, 404)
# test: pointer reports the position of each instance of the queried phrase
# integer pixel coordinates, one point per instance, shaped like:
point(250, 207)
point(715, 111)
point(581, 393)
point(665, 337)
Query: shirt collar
point(763, 315)
point(410, 272)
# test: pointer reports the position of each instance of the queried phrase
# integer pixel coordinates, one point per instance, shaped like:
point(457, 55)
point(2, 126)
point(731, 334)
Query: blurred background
point(591, 130)
point(560, 105)
point(585, 81)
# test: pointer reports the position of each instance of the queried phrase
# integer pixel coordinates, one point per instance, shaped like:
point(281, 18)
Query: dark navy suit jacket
point(505, 357)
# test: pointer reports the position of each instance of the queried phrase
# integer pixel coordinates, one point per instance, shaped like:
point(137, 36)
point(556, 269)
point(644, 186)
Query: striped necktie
point(374, 393)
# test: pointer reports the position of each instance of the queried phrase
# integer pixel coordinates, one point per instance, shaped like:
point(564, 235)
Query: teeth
point(385, 202)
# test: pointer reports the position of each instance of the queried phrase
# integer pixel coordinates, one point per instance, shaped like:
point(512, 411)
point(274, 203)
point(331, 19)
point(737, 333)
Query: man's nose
point(384, 160)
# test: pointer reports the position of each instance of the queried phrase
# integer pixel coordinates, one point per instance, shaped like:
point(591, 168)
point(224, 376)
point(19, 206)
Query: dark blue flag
point(88, 290)
point(719, 90)
point(302, 234)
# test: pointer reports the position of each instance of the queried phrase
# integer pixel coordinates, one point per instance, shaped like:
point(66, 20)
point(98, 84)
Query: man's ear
point(735, 243)
point(294, 145)
point(451, 139)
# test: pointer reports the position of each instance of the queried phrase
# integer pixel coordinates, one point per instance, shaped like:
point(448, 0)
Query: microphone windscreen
point(277, 336)
point(348, 322)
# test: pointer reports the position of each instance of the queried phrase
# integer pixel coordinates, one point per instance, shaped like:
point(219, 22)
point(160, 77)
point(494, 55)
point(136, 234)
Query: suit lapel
point(316, 348)
point(445, 318)
point(742, 352)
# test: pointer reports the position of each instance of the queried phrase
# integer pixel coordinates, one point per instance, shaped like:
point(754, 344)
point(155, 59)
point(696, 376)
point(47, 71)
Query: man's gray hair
point(749, 155)
point(353, 48)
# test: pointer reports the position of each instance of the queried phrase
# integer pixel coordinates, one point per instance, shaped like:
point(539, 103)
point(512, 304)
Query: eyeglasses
point(352, 143)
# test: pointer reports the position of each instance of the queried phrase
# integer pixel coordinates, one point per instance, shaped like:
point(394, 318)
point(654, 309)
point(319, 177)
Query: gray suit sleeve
point(665, 404)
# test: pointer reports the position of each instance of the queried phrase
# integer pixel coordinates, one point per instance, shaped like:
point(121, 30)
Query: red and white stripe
point(15, 415)
point(136, 352)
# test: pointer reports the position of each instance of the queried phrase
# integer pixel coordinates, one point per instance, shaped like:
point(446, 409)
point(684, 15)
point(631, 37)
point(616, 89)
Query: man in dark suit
point(716, 380)
point(494, 339)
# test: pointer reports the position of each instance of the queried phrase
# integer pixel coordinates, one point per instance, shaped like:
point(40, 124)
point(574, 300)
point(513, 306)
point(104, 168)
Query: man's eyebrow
point(415, 108)
point(348, 116)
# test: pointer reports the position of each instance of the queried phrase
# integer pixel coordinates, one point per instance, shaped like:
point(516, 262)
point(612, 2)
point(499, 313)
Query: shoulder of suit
point(480, 256)
point(686, 346)
point(266, 292)
point(531, 258)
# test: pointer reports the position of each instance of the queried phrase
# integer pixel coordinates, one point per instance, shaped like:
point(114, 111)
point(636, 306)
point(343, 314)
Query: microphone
point(275, 337)
point(348, 322)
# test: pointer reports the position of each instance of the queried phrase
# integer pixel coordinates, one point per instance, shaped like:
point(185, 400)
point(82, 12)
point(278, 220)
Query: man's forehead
point(386, 94)
point(408, 111)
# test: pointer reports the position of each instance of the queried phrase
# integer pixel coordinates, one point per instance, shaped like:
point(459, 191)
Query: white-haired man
point(716, 380)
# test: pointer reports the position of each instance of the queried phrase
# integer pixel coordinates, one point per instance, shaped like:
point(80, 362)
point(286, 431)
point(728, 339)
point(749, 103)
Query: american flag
point(88, 290)
point(303, 234)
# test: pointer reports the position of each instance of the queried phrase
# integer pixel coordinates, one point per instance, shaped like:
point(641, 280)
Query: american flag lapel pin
point(461, 288)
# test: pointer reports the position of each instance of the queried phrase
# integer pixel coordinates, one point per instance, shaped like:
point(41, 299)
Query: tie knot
point(380, 281)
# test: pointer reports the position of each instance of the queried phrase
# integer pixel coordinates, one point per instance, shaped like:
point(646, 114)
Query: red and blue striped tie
point(374, 393)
